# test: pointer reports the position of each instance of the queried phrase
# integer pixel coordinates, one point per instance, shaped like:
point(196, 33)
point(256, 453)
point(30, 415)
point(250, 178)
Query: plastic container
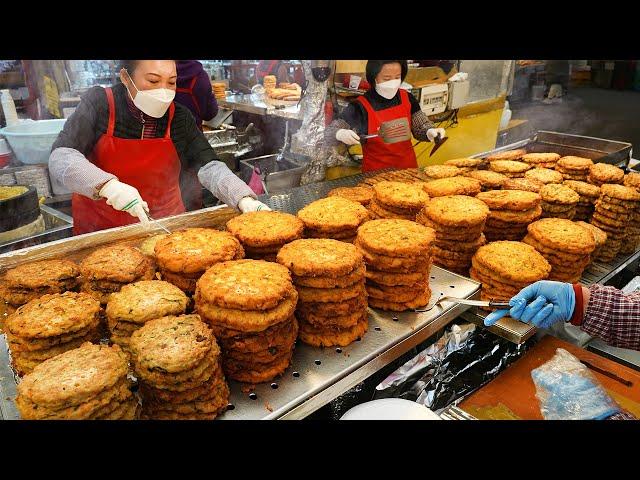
point(537, 92)
point(31, 141)
point(8, 107)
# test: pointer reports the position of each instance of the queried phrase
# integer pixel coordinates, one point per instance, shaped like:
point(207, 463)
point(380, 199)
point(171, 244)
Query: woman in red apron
point(385, 107)
point(125, 152)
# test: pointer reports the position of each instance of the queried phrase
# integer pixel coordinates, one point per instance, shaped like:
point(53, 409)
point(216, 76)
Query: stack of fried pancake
point(544, 175)
point(177, 362)
point(602, 173)
point(458, 221)
point(566, 245)
point(510, 211)
point(184, 255)
point(436, 172)
point(616, 211)
point(558, 201)
point(588, 196)
point(526, 184)
point(333, 217)
point(452, 186)
point(50, 325)
point(574, 168)
point(263, 233)
point(397, 200)
point(599, 237)
point(505, 267)
point(32, 280)
point(509, 168)
point(107, 269)
point(466, 165)
point(329, 276)
point(249, 304)
point(361, 194)
point(137, 303)
point(507, 155)
point(488, 180)
point(541, 160)
point(86, 383)
point(632, 180)
point(397, 254)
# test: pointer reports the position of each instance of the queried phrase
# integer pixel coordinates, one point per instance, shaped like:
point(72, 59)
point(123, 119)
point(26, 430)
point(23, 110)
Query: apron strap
point(172, 109)
point(112, 111)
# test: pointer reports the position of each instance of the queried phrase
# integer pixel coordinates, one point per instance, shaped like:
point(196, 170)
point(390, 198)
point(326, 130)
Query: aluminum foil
point(310, 135)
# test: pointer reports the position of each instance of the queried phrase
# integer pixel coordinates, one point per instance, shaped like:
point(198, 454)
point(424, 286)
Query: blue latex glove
point(551, 302)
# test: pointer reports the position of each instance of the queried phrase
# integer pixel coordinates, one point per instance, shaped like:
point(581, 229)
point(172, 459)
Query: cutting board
point(515, 390)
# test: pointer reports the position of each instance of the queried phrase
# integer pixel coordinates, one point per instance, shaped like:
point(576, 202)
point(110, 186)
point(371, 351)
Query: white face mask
point(389, 88)
point(153, 102)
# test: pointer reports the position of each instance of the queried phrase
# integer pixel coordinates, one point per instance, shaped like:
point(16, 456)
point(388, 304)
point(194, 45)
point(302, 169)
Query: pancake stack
point(566, 245)
point(363, 195)
point(632, 180)
point(269, 81)
point(488, 180)
point(466, 165)
point(541, 160)
point(599, 237)
point(177, 362)
point(249, 305)
point(558, 201)
point(32, 280)
point(507, 155)
point(616, 211)
point(510, 211)
point(505, 267)
point(602, 173)
point(526, 184)
point(397, 254)
point(452, 186)
point(574, 168)
point(397, 200)
point(108, 269)
point(86, 383)
point(435, 172)
point(263, 233)
point(333, 217)
point(219, 89)
point(544, 175)
point(50, 325)
point(184, 255)
point(137, 303)
point(329, 276)
point(588, 196)
point(458, 221)
point(509, 168)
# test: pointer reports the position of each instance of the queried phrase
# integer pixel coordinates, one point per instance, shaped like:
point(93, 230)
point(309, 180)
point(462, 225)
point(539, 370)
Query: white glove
point(125, 198)
point(248, 204)
point(348, 137)
point(433, 133)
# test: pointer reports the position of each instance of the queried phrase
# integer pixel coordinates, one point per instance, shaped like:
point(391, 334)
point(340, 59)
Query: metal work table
point(251, 103)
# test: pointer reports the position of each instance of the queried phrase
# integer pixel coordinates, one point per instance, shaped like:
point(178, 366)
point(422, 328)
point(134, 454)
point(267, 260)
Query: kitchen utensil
point(607, 373)
point(393, 131)
point(438, 142)
point(477, 303)
point(159, 225)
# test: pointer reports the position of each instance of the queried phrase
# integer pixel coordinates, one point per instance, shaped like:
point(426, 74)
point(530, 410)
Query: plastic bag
point(255, 182)
point(567, 390)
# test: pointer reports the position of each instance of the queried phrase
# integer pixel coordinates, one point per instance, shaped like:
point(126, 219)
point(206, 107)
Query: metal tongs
point(157, 224)
point(476, 303)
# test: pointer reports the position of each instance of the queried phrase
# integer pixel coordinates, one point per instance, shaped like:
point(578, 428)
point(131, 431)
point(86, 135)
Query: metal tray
point(597, 149)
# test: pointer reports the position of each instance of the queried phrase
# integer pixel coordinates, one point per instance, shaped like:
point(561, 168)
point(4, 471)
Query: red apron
point(376, 153)
point(151, 165)
point(189, 91)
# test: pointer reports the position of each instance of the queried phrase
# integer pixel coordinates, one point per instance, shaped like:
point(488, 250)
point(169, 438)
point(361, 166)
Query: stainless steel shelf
point(318, 375)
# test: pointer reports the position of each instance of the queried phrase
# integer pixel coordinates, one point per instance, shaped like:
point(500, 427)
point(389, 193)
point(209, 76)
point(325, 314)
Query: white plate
point(390, 409)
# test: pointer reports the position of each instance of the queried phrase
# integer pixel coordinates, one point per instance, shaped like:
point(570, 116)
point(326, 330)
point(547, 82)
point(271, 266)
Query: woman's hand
point(551, 302)
point(348, 137)
point(125, 198)
point(434, 132)
point(249, 204)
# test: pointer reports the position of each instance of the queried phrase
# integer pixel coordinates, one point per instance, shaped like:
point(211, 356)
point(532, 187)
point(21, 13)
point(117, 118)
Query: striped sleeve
point(72, 169)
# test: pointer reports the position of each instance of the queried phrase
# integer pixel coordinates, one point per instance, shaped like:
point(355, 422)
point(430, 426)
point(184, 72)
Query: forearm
point(420, 123)
point(612, 316)
point(330, 131)
point(216, 177)
point(72, 169)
